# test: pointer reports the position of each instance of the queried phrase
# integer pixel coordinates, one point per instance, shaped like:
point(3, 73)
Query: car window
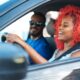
point(19, 27)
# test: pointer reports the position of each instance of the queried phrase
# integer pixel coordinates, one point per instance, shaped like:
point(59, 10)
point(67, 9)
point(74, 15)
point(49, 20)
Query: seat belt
point(77, 46)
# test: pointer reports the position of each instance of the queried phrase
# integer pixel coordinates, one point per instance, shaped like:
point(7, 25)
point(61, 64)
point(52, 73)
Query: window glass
point(19, 27)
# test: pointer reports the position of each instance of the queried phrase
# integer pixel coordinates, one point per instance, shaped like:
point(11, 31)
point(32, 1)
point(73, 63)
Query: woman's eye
point(65, 25)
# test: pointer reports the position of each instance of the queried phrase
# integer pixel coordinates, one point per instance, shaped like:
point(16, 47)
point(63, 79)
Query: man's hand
point(13, 38)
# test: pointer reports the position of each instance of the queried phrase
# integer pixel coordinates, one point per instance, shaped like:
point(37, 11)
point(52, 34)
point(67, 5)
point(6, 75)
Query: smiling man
point(36, 39)
point(36, 42)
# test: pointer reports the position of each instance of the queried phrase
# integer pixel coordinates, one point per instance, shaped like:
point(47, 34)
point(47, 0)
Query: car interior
point(52, 5)
point(50, 30)
point(47, 71)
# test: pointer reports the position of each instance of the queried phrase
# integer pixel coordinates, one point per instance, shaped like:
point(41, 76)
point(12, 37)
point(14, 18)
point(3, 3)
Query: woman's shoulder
point(76, 54)
point(76, 51)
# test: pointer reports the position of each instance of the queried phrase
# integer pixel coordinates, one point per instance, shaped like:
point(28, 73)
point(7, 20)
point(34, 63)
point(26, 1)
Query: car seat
point(50, 31)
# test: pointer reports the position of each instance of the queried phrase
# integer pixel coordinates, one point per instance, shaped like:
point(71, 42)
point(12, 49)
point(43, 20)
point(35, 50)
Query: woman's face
point(66, 29)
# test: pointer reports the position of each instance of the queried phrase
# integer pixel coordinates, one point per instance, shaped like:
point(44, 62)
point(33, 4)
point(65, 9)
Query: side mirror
point(13, 64)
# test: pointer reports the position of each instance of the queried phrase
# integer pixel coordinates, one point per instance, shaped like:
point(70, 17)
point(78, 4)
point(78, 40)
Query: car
point(14, 18)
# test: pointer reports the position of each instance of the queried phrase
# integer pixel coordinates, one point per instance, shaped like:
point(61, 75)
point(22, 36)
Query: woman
point(67, 33)
point(67, 36)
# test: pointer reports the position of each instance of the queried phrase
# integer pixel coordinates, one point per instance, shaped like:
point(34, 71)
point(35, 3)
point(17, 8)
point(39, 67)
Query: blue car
point(14, 18)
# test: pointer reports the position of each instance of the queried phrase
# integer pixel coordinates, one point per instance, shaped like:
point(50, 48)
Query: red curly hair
point(68, 10)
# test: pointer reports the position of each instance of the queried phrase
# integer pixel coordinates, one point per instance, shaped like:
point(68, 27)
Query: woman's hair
point(74, 12)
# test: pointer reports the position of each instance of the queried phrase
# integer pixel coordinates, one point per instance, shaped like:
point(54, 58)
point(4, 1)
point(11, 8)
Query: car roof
point(56, 5)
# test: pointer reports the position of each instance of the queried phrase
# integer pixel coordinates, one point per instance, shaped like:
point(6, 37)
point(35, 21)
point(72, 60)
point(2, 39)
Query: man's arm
point(32, 53)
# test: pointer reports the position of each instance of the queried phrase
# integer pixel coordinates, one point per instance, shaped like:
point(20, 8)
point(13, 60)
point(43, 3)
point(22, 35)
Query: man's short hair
point(41, 15)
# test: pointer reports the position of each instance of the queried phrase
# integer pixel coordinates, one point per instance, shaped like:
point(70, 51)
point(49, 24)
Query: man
point(36, 42)
point(36, 39)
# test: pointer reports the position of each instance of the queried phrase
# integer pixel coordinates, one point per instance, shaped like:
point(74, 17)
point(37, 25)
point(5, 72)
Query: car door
point(57, 70)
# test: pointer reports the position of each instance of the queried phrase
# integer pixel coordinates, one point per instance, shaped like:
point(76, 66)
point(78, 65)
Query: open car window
point(19, 27)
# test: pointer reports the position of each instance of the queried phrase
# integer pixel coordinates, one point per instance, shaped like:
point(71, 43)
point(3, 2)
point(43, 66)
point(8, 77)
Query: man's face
point(36, 26)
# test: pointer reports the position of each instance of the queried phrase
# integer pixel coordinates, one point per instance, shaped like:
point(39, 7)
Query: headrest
point(50, 27)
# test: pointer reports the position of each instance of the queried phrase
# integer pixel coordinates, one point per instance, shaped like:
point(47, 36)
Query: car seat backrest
point(49, 27)
point(50, 30)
